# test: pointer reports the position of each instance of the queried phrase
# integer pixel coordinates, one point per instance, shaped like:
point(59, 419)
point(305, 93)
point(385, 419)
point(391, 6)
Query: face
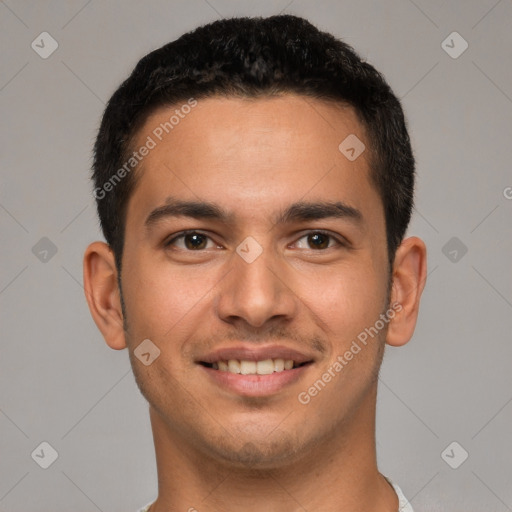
point(282, 257)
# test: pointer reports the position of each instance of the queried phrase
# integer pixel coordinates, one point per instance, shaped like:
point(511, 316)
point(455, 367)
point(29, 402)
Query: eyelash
point(183, 234)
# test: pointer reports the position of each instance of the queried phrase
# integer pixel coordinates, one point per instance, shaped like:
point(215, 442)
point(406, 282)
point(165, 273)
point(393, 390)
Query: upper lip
point(245, 353)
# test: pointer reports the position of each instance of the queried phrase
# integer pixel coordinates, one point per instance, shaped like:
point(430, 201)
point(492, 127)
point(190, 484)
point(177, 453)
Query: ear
point(409, 276)
point(102, 293)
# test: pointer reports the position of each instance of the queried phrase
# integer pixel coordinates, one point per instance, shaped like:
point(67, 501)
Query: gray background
point(60, 383)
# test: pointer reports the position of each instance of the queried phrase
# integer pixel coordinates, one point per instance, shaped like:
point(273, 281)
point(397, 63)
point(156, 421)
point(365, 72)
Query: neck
point(337, 474)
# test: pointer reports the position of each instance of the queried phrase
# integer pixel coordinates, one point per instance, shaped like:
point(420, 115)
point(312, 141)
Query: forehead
point(303, 126)
point(253, 153)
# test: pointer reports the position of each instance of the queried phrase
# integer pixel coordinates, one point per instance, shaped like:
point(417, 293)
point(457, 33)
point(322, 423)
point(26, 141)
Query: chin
point(255, 454)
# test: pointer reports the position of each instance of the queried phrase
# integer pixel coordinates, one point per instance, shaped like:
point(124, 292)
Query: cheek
point(346, 299)
point(348, 305)
point(162, 299)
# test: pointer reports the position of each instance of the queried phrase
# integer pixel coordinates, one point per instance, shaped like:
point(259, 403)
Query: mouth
point(251, 371)
point(248, 367)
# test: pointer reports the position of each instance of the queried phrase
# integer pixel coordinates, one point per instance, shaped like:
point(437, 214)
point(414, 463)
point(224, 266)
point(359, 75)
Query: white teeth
point(265, 367)
point(234, 366)
point(247, 367)
point(279, 365)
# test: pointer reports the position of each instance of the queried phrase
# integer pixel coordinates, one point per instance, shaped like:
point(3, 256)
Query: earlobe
point(102, 293)
point(409, 276)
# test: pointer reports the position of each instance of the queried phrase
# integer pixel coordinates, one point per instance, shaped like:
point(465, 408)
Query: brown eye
point(318, 240)
point(192, 241)
point(195, 241)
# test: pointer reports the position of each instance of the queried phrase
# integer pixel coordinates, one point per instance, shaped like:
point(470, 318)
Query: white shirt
point(403, 504)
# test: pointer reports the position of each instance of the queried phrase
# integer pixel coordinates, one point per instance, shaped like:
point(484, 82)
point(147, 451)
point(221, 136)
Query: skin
point(220, 450)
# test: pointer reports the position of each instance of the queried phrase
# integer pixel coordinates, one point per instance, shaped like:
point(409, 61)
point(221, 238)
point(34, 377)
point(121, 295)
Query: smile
point(246, 367)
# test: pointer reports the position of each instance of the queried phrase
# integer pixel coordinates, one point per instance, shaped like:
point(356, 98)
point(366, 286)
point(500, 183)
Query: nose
point(257, 292)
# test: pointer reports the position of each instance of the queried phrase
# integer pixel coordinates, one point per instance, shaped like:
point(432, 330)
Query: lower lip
point(256, 385)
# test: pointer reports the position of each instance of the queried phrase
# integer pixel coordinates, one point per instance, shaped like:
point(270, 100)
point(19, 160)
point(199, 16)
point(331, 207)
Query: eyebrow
point(297, 212)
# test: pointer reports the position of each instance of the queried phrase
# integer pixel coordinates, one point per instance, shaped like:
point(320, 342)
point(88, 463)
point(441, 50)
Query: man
point(254, 181)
